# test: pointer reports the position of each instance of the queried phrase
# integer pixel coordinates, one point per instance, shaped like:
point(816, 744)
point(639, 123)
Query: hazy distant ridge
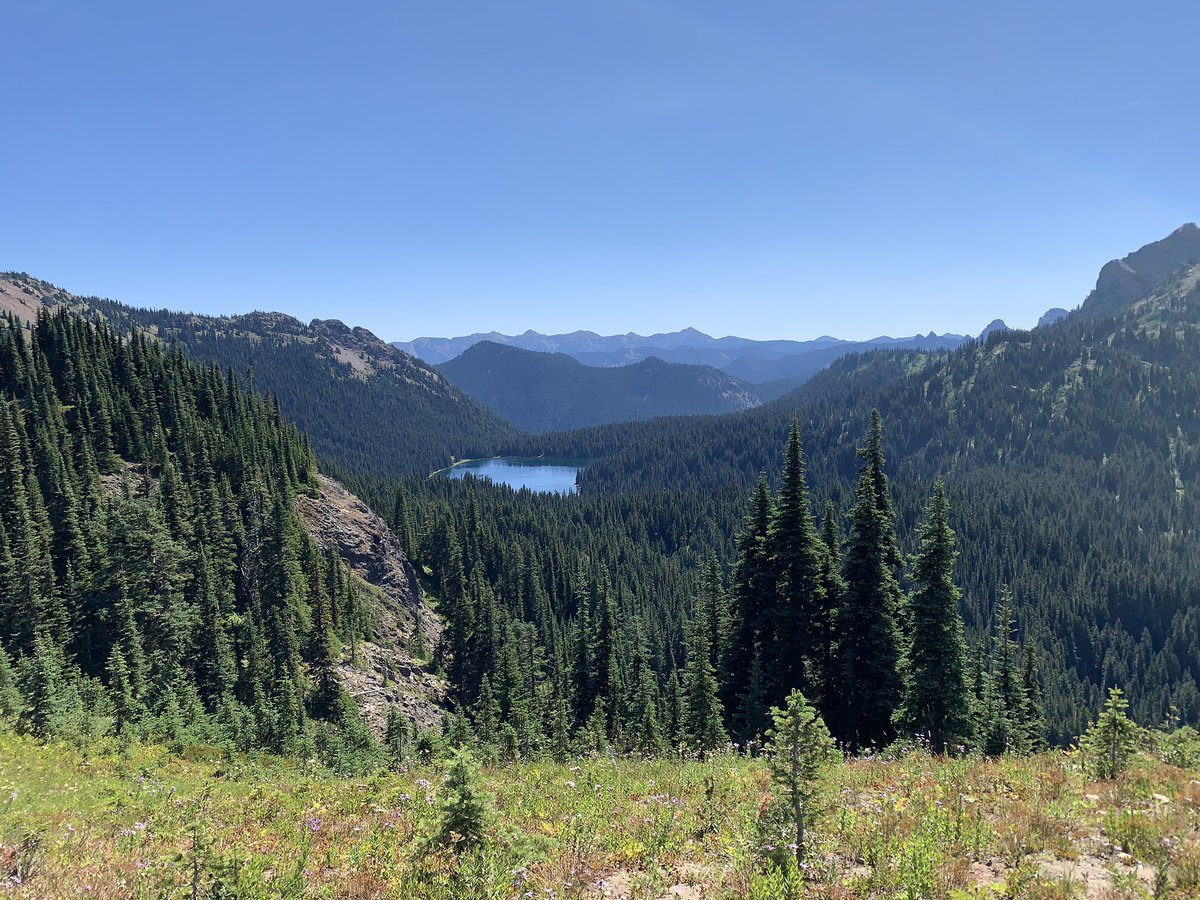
point(757, 362)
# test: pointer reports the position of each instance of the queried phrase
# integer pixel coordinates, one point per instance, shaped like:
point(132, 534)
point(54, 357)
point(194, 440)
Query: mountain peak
point(1123, 281)
point(994, 325)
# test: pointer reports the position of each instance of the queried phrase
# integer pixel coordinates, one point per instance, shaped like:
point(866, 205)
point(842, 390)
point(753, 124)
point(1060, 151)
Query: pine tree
point(713, 607)
point(397, 736)
point(1004, 728)
point(752, 590)
point(11, 704)
point(1035, 717)
point(648, 731)
point(753, 716)
point(834, 584)
point(1110, 742)
point(936, 697)
point(799, 745)
point(486, 715)
point(465, 806)
point(702, 711)
point(51, 699)
point(868, 632)
point(798, 623)
point(283, 591)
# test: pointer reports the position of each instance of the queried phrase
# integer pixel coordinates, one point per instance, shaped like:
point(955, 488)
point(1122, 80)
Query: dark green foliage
point(151, 575)
point(799, 745)
point(935, 696)
point(1110, 742)
point(467, 814)
point(745, 681)
point(868, 622)
point(1071, 459)
point(362, 404)
point(703, 727)
point(799, 624)
point(11, 703)
point(1007, 722)
point(399, 736)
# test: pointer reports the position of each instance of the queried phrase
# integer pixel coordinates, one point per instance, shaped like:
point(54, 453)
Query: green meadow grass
point(138, 821)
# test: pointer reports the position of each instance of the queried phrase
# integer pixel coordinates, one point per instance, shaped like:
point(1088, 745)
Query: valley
point(334, 618)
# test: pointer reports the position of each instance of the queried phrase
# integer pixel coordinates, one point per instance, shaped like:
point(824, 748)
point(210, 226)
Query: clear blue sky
point(775, 169)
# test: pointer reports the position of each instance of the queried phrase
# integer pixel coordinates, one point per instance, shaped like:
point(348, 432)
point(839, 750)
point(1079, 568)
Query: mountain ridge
point(619, 349)
point(357, 398)
point(541, 392)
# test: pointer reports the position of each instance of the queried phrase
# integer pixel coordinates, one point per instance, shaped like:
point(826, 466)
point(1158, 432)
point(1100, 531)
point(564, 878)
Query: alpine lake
point(546, 476)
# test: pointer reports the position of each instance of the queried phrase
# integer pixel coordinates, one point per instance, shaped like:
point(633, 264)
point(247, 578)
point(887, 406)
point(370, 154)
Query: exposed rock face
point(384, 674)
point(994, 325)
point(1123, 281)
point(365, 543)
point(1050, 316)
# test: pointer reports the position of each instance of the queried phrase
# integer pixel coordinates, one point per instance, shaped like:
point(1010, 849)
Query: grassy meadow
point(139, 821)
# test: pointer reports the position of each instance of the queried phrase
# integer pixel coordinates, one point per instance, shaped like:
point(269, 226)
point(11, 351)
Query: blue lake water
point(550, 476)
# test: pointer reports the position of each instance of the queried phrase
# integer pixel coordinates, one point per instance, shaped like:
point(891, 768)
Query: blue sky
point(764, 169)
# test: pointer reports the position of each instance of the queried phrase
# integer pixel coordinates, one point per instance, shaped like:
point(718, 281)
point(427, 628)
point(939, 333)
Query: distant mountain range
point(788, 362)
point(541, 392)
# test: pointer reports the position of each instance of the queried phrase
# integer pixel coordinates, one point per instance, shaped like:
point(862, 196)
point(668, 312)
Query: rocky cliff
point(384, 673)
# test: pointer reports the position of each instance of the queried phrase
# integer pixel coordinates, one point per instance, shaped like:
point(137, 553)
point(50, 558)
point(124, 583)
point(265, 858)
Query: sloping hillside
point(364, 405)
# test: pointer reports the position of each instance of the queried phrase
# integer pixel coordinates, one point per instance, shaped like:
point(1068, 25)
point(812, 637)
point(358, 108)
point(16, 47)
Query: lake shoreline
point(538, 474)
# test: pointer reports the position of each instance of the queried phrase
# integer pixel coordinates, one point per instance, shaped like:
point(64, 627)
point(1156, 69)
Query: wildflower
point(313, 823)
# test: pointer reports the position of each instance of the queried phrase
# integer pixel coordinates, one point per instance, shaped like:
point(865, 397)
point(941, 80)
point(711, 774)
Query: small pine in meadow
point(1110, 742)
point(800, 744)
point(466, 808)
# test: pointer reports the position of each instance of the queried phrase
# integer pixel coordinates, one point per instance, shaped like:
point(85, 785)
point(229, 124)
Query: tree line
point(154, 577)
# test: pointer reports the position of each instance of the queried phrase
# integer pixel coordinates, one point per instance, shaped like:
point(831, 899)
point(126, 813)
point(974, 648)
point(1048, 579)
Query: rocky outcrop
point(1050, 316)
point(994, 325)
point(1126, 280)
point(381, 673)
point(339, 519)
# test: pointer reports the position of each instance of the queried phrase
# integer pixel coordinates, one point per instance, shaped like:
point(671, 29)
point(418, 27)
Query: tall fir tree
point(798, 626)
point(869, 638)
point(703, 715)
point(753, 587)
point(936, 697)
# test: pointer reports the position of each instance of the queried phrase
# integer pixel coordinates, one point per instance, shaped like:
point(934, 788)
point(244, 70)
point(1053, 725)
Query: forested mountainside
point(155, 577)
point(540, 392)
point(1071, 457)
point(364, 405)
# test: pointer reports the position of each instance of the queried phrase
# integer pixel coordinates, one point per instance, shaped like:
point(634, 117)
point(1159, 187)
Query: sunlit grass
point(138, 822)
